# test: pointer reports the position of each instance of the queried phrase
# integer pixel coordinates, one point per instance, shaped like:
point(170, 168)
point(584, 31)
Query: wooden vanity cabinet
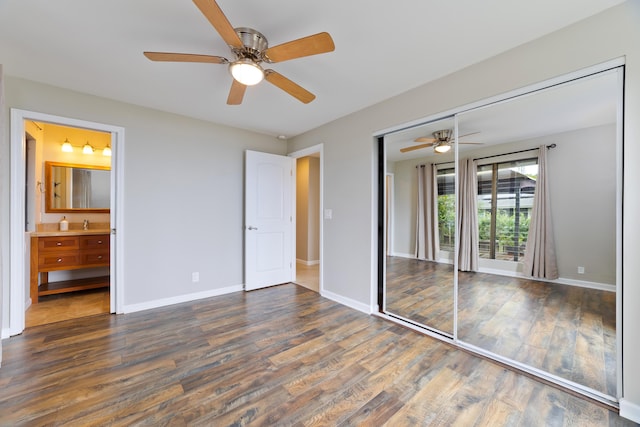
point(67, 252)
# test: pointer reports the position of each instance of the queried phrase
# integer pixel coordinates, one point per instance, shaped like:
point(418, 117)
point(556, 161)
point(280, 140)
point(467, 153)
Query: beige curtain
point(540, 253)
point(468, 252)
point(427, 237)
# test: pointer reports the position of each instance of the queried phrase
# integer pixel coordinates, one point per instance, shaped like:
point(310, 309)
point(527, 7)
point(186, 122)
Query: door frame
point(314, 149)
point(17, 256)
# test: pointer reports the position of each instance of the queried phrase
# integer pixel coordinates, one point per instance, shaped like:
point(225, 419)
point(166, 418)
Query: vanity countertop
point(52, 229)
point(57, 233)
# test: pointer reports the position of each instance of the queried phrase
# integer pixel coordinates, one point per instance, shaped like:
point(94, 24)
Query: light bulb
point(87, 149)
point(66, 146)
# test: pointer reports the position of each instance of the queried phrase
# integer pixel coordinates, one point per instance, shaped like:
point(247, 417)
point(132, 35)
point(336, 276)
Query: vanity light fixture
point(66, 146)
point(87, 148)
point(106, 151)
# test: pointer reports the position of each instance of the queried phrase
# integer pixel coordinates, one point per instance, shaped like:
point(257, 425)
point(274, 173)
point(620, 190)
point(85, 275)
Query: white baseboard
point(180, 299)
point(305, 262)
point(630, 411)
point(560, 281)
point(356, 305)
point(584, 284)
point(403, 255)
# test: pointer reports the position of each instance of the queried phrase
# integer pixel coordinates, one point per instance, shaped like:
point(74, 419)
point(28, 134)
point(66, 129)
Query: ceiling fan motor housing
point(254, 44)
point(443, 135)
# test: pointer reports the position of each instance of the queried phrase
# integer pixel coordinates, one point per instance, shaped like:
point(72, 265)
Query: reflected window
point(446, 208)
point(505, 199)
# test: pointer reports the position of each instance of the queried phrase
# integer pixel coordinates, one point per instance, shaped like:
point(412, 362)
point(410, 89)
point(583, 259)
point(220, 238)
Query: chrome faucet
point(85, 224)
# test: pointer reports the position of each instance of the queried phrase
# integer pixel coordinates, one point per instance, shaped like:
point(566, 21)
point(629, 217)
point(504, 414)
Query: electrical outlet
point(580, 270)
point(195, 277)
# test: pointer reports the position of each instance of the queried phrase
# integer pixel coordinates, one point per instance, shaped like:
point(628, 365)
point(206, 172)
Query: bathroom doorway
point(28, 198)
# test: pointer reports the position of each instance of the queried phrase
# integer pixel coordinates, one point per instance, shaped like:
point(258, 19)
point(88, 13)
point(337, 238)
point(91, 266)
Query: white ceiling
point(383, 48)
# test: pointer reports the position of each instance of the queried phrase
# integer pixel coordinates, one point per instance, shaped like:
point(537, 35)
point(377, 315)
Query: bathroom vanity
point(67, 250)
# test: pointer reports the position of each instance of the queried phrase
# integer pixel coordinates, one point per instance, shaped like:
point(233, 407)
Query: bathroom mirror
point(77, 188)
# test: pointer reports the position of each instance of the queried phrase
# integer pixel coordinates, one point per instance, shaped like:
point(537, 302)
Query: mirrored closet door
point(537, 229)
point(419, 279)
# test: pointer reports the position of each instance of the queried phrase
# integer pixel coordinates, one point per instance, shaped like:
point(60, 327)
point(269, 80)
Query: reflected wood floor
point(421, 291)
point(272, 357)
point(565, 330)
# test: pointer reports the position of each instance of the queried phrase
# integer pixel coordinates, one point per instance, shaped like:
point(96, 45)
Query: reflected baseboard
point(608, 287)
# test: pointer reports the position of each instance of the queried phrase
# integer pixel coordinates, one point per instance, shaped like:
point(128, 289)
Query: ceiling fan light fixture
point(442, 147)
point(246, 71)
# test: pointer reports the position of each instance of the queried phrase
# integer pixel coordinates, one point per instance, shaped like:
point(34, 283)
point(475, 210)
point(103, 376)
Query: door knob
point(252, 228)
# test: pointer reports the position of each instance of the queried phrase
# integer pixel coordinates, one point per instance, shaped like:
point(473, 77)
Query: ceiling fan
point(441, 141)
point(250, 48)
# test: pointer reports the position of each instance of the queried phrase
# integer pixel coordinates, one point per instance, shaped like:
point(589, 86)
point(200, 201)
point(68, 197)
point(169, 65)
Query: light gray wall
point(183, 192)
point(583, 201)
point(351, 156)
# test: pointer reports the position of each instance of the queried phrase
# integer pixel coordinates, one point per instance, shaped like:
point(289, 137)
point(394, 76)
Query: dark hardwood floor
point(565, 330)
point(272, 357)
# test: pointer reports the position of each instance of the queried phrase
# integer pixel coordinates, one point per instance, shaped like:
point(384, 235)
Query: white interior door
point(268, 234)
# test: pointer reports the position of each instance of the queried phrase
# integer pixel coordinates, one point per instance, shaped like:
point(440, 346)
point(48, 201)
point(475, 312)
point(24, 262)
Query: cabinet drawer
point(58, 243)
point(95, 258)
point(94, 242)
point(57, 260)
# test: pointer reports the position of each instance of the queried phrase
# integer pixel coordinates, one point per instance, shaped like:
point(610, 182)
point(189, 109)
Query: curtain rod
point(503, 154)
point(515, 152)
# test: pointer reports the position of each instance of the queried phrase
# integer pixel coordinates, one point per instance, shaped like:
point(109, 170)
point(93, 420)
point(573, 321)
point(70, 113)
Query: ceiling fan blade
point(217, 18)
point(468, 134)
point(236, 93)
point(185, 57)
point(416, 147)
point(479, 143)
point(424, 139)
point(288, 86)
point(306, 46)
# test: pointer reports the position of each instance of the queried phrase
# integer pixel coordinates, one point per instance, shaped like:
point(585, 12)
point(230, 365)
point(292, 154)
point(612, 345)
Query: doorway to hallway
point(309, 218)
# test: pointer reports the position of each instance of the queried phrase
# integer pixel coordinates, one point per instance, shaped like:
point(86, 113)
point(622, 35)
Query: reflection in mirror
point(420, 227)
point(72, 188)
point(553, 312)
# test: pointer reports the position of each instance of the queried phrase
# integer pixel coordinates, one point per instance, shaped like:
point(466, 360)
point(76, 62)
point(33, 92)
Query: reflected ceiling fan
point(250, 48)
point(441, 141)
